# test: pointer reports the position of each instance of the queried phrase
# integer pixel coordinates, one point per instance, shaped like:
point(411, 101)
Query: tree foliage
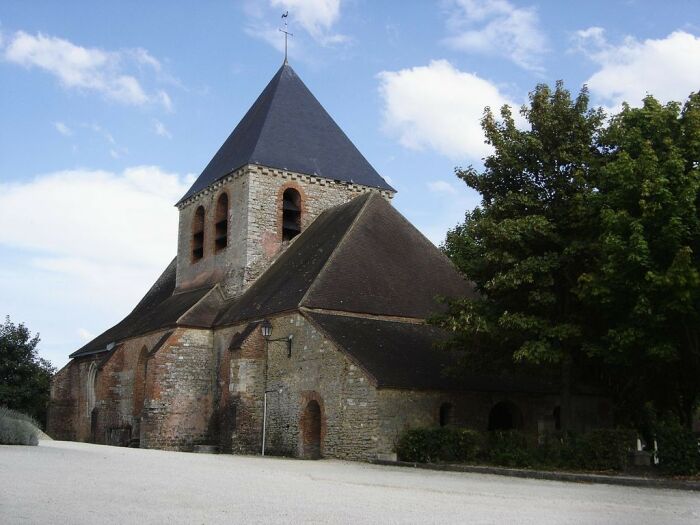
point(530, 239)
point(585, 248)
point(25, 378)
point(645, 283)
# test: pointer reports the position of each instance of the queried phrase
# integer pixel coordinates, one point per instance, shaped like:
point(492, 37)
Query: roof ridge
point(337, 248)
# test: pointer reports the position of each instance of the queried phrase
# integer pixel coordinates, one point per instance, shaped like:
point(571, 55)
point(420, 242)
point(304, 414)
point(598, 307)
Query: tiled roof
point(287, 128)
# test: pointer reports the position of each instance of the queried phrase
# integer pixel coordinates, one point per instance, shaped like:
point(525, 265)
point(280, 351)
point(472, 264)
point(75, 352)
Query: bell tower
point(284, 163)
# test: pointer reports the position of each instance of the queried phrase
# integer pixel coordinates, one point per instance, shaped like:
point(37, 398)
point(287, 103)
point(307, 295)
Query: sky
point(109, 111)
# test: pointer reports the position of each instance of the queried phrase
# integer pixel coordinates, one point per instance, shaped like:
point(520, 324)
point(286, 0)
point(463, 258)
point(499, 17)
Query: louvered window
point(291, 214)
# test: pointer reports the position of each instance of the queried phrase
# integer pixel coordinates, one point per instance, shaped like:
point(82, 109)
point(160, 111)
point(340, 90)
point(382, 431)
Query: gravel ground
point(63, 482)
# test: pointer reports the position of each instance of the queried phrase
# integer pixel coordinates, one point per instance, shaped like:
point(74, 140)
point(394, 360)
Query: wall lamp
point(266, 328)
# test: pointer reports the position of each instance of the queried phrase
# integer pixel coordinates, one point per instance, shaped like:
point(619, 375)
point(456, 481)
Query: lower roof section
point(160, 308)
point(404, 355)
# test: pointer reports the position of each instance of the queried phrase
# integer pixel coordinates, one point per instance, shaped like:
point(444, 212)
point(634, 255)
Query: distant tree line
point(586, 251)
point(25, 378)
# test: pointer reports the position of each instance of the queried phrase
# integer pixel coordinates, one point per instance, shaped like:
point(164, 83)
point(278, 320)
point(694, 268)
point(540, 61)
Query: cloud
point(85, 335)
point(81, 247)
point(497, 27)
point(315, 18)
point(441, 186)
point(668, 68)
point(95, 216)
point(86, 69)
point(438, 107)
point(62, 129)
point(160, 129)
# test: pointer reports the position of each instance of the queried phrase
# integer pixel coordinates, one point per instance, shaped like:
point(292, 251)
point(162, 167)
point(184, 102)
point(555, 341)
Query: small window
point(445, 414)
point(291, 214)
point(221, 225)
point(198, 235)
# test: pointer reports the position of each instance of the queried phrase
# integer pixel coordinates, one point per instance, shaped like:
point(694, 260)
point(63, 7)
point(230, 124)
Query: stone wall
point(119, 376)
point(316, 371)
point(255, 223)
point(69, 413)
point(179, 406)
point(229, 263)
point(403, 409)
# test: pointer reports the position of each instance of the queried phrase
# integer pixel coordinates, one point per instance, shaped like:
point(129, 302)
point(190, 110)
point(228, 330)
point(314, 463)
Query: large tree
point(25, 378)
point(527, 244)
point(645, 285)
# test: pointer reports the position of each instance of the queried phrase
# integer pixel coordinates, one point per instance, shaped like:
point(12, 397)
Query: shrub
point(17, 428)
point(509, 448)
point(426, 445)
point(608, 449)
point(470, 444)
point(678, 448)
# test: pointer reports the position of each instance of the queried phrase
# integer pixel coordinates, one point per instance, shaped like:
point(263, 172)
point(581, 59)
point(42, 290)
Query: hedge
point(606, 449)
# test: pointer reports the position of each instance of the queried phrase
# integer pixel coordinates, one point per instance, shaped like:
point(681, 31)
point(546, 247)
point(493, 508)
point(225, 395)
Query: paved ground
point(60, 482)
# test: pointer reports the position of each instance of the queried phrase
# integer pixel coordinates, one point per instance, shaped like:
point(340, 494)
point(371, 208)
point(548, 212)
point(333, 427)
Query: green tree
point(530, 240)
point(646, 283)
point(25, 378)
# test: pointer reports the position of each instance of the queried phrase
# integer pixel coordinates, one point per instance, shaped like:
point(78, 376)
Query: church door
point(311, 430)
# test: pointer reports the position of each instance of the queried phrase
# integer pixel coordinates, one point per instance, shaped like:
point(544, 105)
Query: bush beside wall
point(679, 451)
point(596, 450)
point(17, 428)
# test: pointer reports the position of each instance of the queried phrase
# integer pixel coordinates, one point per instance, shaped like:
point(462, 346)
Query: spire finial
point(286, 34)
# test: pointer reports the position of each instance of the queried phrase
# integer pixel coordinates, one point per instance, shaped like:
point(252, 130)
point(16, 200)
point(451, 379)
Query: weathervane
point(286, 34)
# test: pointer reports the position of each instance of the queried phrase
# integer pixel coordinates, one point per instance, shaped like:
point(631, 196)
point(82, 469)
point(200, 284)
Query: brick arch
point(278, 205)
point(139, 389)
point(312, 425)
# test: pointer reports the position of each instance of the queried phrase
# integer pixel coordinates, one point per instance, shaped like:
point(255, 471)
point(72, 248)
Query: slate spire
point(287, 128)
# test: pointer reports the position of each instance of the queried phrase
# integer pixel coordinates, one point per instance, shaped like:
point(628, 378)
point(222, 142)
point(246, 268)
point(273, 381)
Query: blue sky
point(109, 109)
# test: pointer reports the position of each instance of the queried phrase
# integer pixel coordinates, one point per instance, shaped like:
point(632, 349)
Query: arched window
point(221, 224)
point(140, 382)
point(291, 214)
point(198, 235)
point(90, 387)
point(445, 414)
point(505, 416)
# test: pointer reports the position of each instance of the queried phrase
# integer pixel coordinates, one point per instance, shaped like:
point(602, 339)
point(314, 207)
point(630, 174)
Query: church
point(293, 319)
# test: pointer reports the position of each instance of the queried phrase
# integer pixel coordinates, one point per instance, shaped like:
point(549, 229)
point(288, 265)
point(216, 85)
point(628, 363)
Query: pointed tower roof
point(287, 128)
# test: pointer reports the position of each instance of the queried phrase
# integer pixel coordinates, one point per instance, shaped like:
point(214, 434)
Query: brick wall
point(181, 391)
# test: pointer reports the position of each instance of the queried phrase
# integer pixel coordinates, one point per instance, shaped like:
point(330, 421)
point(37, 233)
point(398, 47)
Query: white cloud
point(87, 69)
point(497, 27)
point(438, 107)
point(95, 216)
point(80, 248)
point(316, 17)
point(441, 186)
point(160, 129)
point(62, 129)
point(85, 335)
point(668, 68)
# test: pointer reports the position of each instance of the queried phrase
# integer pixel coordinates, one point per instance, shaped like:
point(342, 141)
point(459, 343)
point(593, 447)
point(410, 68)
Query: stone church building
point(293, 316)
